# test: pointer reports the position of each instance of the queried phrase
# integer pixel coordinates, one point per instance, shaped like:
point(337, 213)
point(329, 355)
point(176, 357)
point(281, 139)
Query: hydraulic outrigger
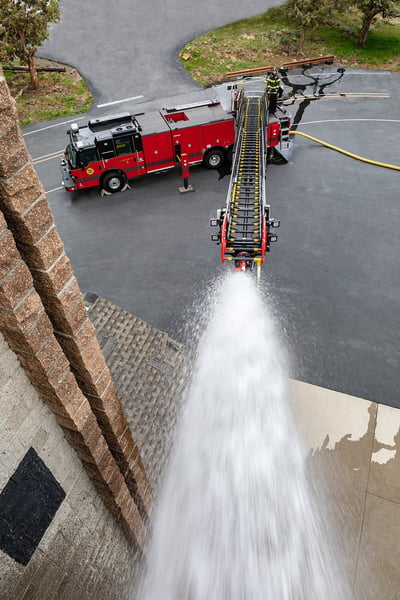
point(245, 223)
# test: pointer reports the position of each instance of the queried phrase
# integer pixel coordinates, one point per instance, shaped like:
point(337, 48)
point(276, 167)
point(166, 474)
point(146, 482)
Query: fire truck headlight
point(214, 222)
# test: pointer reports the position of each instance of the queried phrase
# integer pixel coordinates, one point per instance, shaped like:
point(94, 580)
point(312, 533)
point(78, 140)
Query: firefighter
point(274, 89)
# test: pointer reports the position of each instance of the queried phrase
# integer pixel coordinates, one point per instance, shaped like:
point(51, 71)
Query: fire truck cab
point(109, 151)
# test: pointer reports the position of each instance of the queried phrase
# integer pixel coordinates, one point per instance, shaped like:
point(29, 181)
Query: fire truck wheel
point(113, 182)
point(214, 158)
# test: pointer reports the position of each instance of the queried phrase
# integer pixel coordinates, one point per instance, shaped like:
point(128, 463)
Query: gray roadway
point(334, 274)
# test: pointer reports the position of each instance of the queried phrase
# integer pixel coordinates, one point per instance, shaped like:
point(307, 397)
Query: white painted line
point(55, 189)
point(45, 157)
point(337, 95)
point(347, 73)
point(343, 120)
point(119, 101)
point(56, 125)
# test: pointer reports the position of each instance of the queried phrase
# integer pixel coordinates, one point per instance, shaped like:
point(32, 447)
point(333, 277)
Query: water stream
point(236, 519)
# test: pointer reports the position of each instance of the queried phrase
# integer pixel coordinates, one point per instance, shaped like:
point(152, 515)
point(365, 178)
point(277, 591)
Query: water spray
point(236, 518)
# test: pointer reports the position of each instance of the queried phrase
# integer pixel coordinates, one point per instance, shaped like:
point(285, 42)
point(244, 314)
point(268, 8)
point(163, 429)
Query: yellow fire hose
point(366, 160)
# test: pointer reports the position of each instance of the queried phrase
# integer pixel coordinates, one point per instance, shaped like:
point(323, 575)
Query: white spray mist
point(236, 519)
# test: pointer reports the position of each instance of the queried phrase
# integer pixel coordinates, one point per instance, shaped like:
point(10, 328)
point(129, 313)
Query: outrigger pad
point(184, 190)
point(281, 156)
point(105, 193)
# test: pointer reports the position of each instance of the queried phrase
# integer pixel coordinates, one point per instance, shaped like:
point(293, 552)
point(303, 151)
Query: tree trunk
point(302, 40)
point(29, 53)
point(366, 24)
point(33, 84)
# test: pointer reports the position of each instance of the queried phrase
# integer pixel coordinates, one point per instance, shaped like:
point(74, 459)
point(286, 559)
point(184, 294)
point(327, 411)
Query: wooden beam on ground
point(26, 69)
point(328, 58)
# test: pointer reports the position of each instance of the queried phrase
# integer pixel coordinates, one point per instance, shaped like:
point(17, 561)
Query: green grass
point(58, 95)
point(262, 40)
point(271, 39)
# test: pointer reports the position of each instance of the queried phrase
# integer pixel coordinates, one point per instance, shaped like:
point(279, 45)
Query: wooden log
point(25, 69)
point(288, 65)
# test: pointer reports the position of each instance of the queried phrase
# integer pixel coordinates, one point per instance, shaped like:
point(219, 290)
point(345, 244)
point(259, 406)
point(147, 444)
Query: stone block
point(52, 280)
point(116, 482)
point(114, 425)
point(134, 522)
point(66, 309)
point(24, 316)
point(124, 441)
point(31, 225)
point(65, 409)
point(67, 323)
point(3, 224)
point(34, 369)
point(91, 362)
point(139, 474)
point(43, 253)
point(21, 190)
point(8, 107)
point(47, 358)
point(73, 345)
point(13, 152)
point(34, 339)
point(60, 382)
point(110, 401)
point(9, 255)
point(102, 384)
point(15, 286)
point(103, 468)
point(97, 446)
point(74, 438)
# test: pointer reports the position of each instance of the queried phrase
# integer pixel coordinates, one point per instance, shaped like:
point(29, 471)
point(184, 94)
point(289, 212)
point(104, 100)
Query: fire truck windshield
point(80, 158)
point(87, 156)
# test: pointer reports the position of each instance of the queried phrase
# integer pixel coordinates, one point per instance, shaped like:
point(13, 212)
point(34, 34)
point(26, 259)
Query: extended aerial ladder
point(245, 221)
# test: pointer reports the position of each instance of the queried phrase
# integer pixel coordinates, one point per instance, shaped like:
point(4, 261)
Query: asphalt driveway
point(334, 274)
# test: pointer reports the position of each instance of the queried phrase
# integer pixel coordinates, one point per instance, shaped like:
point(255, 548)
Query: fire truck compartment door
point(158, 151)
point(189, 140)
point(105, 148)
point(128, 151)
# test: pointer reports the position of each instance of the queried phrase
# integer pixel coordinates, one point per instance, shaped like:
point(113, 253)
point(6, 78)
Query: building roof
point(148, 370)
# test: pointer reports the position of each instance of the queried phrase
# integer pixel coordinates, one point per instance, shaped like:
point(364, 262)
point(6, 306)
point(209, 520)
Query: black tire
point(229, 154)
point(113, 182)
point(213, 158)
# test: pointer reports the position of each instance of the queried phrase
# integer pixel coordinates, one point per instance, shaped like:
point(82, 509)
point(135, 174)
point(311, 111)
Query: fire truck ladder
point(246, 195)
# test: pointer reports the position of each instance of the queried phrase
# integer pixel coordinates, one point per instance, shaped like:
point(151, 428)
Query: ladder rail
point(246, 193)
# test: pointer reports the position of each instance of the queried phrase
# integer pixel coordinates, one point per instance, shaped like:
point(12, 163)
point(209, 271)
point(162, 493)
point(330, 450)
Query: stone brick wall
point(83, 552)
point(45, 323)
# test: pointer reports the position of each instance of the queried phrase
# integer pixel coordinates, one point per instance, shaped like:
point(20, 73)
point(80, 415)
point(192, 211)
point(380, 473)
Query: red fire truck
point(109, 151)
